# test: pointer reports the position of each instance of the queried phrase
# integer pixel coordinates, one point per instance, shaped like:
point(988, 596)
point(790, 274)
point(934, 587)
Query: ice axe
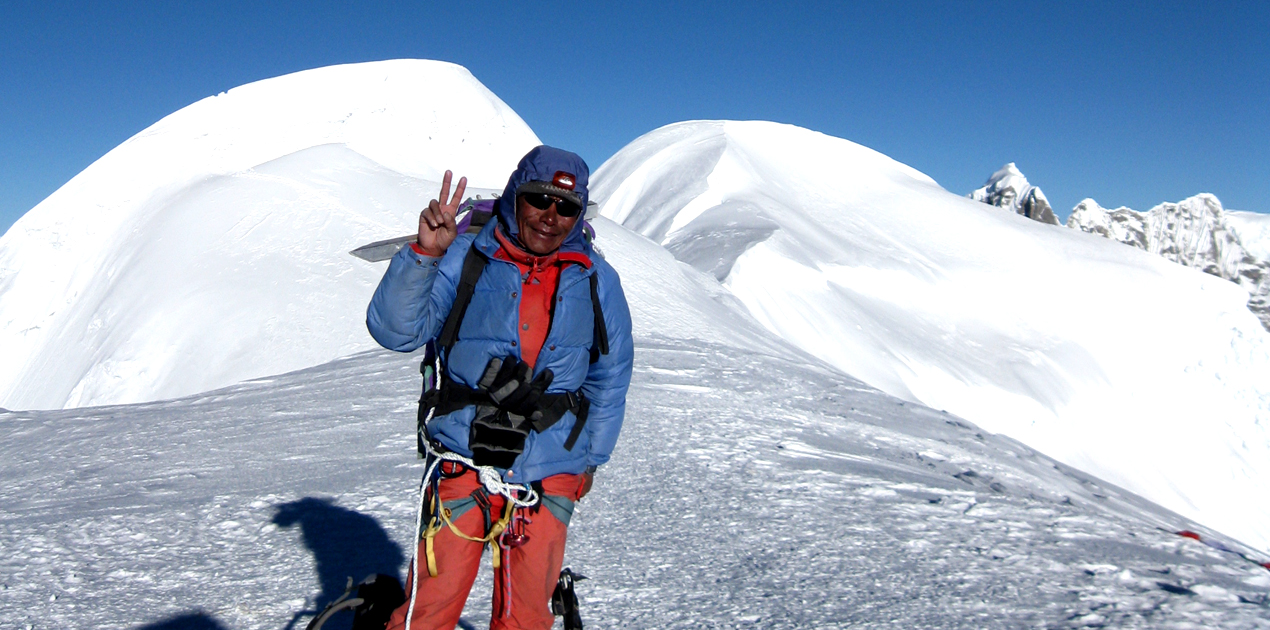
point(564, 602)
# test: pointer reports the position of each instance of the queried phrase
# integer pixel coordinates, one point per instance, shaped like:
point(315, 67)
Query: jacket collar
point(513, 251)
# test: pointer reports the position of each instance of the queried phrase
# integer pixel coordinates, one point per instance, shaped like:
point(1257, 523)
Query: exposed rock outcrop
point(1009, 189)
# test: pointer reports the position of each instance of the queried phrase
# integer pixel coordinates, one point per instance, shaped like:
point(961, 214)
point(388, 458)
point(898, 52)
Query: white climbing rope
point(488, 475)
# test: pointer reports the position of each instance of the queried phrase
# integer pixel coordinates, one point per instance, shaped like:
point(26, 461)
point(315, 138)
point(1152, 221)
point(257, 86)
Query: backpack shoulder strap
point(473, 267)
point(601, 343)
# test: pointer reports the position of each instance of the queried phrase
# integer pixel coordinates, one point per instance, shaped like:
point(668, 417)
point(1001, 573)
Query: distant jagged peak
point(1121, 224)
point(1008, 188)
point(1199, 215)
point(1195, 232)
point(1191, 220)
point(1009, 175)
point(1204, 206)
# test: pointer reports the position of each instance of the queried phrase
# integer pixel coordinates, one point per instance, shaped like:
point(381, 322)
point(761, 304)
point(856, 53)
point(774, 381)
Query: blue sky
point(1129, 103)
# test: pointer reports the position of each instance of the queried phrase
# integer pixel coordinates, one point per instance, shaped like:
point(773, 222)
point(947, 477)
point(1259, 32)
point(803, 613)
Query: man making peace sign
point(535, 357)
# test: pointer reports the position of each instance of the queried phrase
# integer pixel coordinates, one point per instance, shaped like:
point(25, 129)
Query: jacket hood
point(541, 164)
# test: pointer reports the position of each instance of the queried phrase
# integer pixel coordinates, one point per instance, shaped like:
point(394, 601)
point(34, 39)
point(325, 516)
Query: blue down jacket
point(414, 298)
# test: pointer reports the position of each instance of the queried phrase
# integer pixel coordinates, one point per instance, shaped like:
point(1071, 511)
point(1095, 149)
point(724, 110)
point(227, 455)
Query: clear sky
point(1131, 103)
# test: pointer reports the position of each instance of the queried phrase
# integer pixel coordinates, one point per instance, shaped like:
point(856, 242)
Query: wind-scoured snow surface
point(211, 247)
point(1122, 364)
point(752, 487)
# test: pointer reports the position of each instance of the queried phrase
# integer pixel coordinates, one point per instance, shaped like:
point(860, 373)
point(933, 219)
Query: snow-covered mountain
point(1146, 373)
point(211, 247)
point(1195, 232)
point(785, 267)
point(1009, 189)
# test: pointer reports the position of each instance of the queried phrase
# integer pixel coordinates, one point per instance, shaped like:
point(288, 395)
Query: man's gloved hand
point(508, 382)
point(492, 370)
point(498, 433)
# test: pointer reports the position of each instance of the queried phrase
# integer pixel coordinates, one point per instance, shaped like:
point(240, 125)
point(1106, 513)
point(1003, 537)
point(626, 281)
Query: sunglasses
point(542, 201)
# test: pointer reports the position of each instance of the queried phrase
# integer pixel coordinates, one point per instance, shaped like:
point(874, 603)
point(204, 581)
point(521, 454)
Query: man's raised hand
point(437, 228)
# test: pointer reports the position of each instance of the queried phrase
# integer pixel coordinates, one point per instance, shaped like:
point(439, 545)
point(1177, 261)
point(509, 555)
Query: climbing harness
point(493, 484)
point(509, 404)
point(517, 496)
point(442, 395)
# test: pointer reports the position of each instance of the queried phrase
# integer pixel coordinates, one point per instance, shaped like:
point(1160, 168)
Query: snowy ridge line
point(1095, 354)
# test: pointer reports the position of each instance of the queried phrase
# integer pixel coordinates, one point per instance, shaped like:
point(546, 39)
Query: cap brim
point(550, 189)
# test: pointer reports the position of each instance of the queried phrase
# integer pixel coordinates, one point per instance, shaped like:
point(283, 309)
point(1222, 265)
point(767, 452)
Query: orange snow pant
point(527, 575)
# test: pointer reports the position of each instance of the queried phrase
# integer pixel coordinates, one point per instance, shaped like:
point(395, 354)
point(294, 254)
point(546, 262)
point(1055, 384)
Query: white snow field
point(753, 487)
point(211, 247)
point(1148, 374)
point(1253, 230)
point(755, 484)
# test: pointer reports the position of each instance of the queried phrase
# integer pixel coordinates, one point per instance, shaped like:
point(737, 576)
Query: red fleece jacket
point(540, 275)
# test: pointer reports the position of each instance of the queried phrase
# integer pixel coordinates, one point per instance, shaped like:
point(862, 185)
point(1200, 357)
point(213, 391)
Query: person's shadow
point(189, 621)
point(344, 544)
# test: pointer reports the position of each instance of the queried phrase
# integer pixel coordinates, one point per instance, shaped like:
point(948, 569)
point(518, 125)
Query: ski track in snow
point(746, 491)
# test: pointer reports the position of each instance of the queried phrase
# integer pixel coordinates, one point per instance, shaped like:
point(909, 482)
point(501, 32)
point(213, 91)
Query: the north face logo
point(563, 180)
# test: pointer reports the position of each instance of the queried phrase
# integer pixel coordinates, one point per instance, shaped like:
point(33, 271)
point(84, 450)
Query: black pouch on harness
point(508, 406)
point(497, 437)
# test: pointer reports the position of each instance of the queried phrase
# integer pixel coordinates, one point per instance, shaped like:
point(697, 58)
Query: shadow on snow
point(344, 544)
point(188, 621)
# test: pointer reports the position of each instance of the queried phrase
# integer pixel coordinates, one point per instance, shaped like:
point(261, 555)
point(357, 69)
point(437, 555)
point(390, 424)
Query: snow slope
point(1195, 232)
point(1145, 373)
point(1253, 230)
point(211, 247)
point(752, 487)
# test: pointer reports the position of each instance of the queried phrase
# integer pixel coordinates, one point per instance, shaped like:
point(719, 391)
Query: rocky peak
point(1009, 189)
point(1121, 224)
